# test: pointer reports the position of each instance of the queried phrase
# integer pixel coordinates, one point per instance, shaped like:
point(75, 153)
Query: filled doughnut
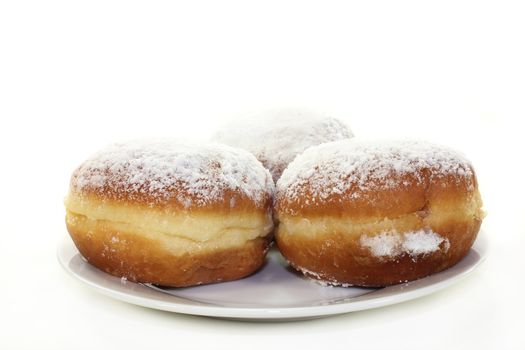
point(374, 214)
point(276, 137)
point(171, 213)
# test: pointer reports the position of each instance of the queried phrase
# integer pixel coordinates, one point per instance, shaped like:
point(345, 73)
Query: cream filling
point(180, 229)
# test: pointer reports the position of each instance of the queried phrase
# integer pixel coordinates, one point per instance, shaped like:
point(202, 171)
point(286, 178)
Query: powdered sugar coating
point(413, 243)
point(276, 137)
point(332, 168)
point(165, 170)
point(320, 279)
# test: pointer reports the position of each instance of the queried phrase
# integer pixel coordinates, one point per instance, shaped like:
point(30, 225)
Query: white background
point(77, 75)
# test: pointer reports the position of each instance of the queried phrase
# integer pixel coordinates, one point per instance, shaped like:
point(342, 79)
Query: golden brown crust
point(341, 259)
point(142, 259)
point(229, 202)
point(417, 192)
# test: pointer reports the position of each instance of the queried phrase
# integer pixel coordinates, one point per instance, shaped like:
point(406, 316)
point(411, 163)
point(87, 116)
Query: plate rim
point(66, 250)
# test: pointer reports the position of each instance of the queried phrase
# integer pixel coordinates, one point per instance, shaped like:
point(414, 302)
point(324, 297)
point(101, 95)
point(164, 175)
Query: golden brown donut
point(171, 213)
point(374, 214)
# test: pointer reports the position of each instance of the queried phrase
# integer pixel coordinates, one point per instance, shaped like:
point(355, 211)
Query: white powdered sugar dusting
point(422, 242)
point(320, 279)
point(382, 244)
point(332, 168)
point(309, 273)
point(276, 137)
point(191, 173)
point(413, 243)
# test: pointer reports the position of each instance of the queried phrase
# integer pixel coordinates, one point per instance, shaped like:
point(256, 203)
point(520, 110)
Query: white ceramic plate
point(273, 293)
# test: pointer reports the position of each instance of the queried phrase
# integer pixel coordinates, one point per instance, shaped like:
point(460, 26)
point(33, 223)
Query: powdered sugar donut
point(276, 137)
point(369, 213)
point(171, 213)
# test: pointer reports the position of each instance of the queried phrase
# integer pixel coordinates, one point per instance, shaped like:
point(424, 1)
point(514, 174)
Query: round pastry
point(374, 214)
point(276, 137)
point(171, 213)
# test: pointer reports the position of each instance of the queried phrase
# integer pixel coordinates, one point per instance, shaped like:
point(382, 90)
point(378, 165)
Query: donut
point(373, 214)
point(171, 213)
point(277, 136)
